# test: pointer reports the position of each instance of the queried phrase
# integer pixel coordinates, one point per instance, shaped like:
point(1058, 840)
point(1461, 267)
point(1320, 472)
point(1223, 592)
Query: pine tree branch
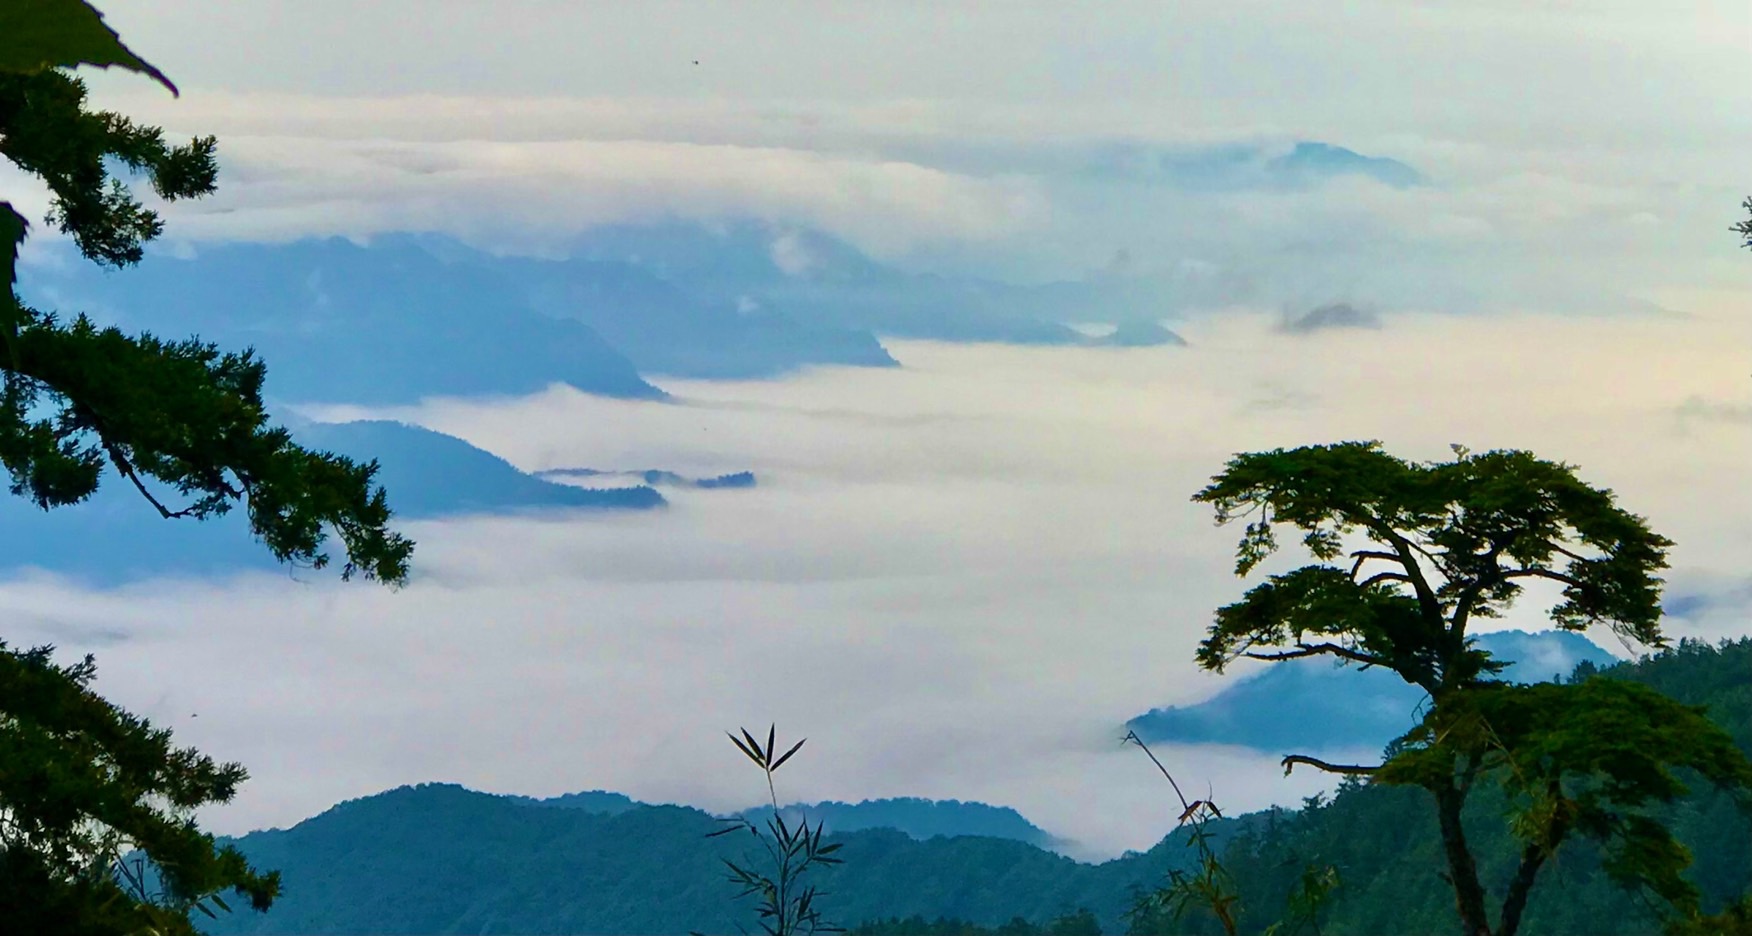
point(1291, 760)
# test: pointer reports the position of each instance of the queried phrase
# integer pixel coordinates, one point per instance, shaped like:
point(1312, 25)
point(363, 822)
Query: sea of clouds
point(957, 578)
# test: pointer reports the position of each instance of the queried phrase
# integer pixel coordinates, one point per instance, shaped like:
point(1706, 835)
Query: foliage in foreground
point(786, 905)
point(83, 784)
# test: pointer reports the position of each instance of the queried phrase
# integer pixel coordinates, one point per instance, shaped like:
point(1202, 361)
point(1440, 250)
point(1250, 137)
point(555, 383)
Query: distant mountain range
point(116, 536)
point(920, 819)
point(1317, 705)
point(438, 858)
point(408, 316)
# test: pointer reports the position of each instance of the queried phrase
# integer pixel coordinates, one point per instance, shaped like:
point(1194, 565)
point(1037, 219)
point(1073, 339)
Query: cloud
point(1720, 411)
point(530, 197)
point(957, 578)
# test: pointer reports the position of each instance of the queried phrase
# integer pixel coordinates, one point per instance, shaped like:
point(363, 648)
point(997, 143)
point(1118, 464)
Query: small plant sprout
point(787, 906)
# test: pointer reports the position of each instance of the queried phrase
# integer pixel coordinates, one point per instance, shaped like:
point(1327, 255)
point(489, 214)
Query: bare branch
point(127, 471)
point(1290, 761)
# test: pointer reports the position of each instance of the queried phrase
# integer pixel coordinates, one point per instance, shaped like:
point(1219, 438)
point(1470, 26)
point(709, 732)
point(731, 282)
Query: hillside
point(441, 859)
point(1319, 705)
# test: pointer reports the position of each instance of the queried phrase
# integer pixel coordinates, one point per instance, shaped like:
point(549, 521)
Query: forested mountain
point(441, 859)
point(1321, 705)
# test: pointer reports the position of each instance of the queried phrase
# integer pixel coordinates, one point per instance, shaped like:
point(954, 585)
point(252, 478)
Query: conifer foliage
point(96, 829)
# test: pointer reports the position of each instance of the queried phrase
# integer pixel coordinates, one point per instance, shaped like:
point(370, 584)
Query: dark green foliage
point(182, 414)
point(1386, 846)
point(1454, 542)
point(83, 783)
point(1744, 228)
point(49, 133)
point(1584, 759)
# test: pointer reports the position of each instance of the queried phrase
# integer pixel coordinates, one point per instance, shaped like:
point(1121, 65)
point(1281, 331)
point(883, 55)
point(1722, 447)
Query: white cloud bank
point(957, 578)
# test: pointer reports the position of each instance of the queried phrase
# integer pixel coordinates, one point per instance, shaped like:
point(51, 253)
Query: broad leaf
point(39, 34)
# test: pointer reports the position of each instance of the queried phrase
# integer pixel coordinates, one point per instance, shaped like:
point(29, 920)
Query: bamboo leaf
point(787, 755)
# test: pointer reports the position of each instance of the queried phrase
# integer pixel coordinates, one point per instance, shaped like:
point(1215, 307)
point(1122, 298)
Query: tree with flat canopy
point(1409, 557)
point(82, 782)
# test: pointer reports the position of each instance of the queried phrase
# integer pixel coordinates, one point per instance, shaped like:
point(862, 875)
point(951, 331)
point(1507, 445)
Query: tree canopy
point(82, 785)
point(1441, 545)
point(1411, 555)
point(180, 420)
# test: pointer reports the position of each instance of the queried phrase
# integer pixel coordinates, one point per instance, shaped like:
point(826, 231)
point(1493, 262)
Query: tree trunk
point(1531, 858)
point(1462, 870)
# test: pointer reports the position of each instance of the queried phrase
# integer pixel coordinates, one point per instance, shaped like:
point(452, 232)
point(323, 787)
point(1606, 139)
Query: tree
point(76, 398)
point(82, 783)
point(1744, 228)
point(1408, 556)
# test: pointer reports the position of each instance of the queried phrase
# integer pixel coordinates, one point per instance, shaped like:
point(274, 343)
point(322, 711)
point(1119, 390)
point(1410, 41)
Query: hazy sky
point(960, 577)
point(1579, 153)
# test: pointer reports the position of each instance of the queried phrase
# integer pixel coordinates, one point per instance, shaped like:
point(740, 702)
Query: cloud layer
point(1583, 159)
point(958, 579)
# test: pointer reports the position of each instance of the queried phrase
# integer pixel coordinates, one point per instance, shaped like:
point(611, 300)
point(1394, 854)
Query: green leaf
point(787, 754)
point(42, 34)
point(748, 749)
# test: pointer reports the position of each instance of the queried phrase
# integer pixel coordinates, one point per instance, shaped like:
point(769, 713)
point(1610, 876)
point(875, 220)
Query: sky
point(959, 577)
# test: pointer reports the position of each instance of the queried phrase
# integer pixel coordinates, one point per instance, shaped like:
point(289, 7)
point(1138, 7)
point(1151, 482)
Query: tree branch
point(1562, 551)
point(1426, 596)
point(127, 471)
point(1363, 555)
point(1569, 580)
point(1385, 577)
point(1469, 595)
point(1308, 650)
point(1291, 760)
